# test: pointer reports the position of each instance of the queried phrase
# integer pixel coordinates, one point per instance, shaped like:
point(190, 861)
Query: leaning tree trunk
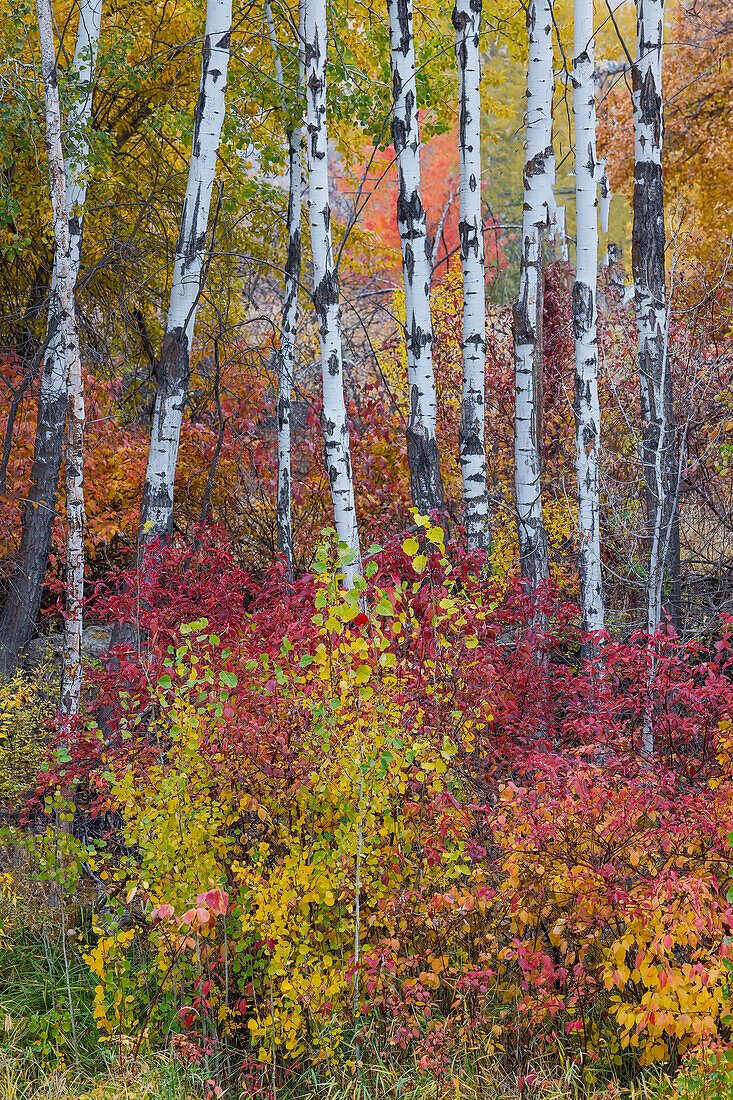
point(286, 351)
point(20, 612)
point(539, 212)
point(156, 516)
point(467, 21)
point(64, 311)
point(648, 239)
point(326, 288)
point(585, 322)
point(422, 446)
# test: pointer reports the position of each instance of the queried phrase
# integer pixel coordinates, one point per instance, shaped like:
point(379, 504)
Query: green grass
point(46, 1009)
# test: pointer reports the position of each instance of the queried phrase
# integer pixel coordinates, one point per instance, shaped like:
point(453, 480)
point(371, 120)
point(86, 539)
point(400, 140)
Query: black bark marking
point(201, 101)
point(404, 22)
point(650, 102)
point(582, 309)
point(326, 294)
point(648, 234)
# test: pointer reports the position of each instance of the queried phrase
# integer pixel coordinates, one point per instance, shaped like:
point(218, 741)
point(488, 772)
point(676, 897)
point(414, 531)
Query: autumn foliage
point(387, 819)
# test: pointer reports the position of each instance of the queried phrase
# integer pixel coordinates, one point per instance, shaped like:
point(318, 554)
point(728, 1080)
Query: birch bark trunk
point(585, 322)
point(286, 351)
point(156, 517)
point(65, 314)
point(650, 293)
point(20, 612)
point(326, 287)
point(538, 215)
point(422, 447)
point(467, 22)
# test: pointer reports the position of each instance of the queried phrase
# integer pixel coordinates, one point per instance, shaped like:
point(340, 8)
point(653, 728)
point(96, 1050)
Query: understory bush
point(404, 819)
point(26, 707)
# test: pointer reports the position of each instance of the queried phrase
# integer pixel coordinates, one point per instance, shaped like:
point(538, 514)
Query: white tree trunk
point(173, 369)
point(286, 352)
point(326, 287)
point(422, 446)
point(77, 119)
point(467, 21)
point(585, 322)
point(65, 314)
point(538, 215)
point(21, 608)
point(650, 294)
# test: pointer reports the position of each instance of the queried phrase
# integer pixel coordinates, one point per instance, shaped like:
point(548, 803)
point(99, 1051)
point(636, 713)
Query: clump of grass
point(46, 1000)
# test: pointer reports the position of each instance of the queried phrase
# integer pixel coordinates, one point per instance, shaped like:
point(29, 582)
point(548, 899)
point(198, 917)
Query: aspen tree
point(286, 351)
point(326, 287)
point(64, 313)
point(422, 447)
point(467, 22)
point(585, 319)
point(24, 597)
point(538, 216)
point(650, 294)
point(174, 366)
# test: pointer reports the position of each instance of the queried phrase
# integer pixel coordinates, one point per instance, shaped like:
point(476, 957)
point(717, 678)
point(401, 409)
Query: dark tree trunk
point(18, 619)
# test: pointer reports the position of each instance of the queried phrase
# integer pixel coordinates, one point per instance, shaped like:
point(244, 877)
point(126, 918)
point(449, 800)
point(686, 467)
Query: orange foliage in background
point(373, 185)
point(698, 91)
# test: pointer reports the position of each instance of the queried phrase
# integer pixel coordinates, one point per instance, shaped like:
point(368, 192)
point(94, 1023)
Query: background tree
point(21, 607)
point(286, 351)
point(467, 21)
point(173, 368)
point(650, 293)
point(422, 448)
point(585, 319)
point(326, 287)
point(64, 313)
point(539, 206)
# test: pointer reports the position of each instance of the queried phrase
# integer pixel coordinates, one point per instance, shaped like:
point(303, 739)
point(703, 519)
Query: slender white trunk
point(650, 294)
point(24, 598)
point(286, 352)
point(467, 21)
point(77, 120)
point(585, 321)
point(65, 314)
point(422, 447)
point(539, 212)
point(173, 369)
point(326, 287)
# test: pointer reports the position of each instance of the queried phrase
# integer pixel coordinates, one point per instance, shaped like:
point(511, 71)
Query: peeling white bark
point(467, 22)
point(325, 287)
point(422, 447)
point(173, 369)
point(650, 293)
point(65, 315)
point(585, 322)
point(539, 211)
point(286, 351)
